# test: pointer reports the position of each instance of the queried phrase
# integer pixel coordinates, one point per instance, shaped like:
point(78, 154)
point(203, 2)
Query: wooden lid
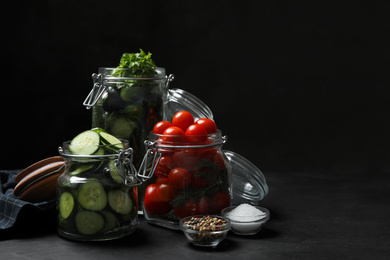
point(42, 190)
point(37, 182)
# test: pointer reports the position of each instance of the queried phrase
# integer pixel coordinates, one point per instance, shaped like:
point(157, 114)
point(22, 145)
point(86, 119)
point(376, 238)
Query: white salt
point(245, 212)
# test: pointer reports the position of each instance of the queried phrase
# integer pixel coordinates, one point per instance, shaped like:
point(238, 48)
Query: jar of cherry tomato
point(189, 175)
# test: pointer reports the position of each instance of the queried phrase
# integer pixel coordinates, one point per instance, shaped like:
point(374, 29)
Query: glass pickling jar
point(127, 106)
point(97, 195)
point(185, 178)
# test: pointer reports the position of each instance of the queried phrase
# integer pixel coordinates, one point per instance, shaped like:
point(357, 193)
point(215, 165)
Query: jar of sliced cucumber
point(97, 193)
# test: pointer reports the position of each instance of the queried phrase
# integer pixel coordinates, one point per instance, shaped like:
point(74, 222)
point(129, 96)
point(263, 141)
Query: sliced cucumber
point(110, 221)
point(91, 195)
point(110, 140)
point(134, 112)
point(120, 201)
point(121, 126)
point(100, 151)
point(113, 172)
point(81, 168)
point(85, 143)
point(98, 130)
point(89, 222)
point(66, 204)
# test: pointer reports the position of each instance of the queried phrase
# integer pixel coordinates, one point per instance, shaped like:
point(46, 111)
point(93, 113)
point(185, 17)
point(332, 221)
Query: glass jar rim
point(65, 152)
point(106, 72)
point(165, 141)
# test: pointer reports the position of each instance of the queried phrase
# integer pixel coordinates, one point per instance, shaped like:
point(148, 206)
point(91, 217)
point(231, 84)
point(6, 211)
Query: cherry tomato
point(164, 151)
point(208, 124)
point(211, 154)
point(196, 134)
point(198, 181)
point(186, 158)
point(191, 208)
point(179, 178)
point(183, 119)
point(162, 180)
point(205, 176)
point(151, 118)
point(135, 194)
point(156, 200)
point(164, 166)
point(166, 192)
point(218, 202)
point(160, 127)
point(174, 134)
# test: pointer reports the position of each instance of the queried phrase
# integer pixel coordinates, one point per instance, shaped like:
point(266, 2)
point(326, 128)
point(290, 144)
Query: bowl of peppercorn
point(205, 230)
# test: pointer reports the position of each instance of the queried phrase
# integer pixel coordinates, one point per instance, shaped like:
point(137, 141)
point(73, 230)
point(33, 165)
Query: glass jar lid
point(179, 100)
point(249, 184)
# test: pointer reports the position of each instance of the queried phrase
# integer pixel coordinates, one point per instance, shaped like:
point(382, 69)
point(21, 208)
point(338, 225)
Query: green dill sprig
point(221, 183)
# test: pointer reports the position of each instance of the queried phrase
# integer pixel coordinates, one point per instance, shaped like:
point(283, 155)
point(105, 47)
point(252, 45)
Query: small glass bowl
point(210, 237)
point(246, 226)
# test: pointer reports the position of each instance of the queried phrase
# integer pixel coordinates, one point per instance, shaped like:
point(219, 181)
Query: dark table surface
point(313, 216)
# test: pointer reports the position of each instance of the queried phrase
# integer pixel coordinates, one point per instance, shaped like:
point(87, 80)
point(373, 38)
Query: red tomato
point(151, 118)
point(164, 151)
point(198, 181)
point(188, 209)
point(166, 192)
point(135, 193)
point(160, 127)
point(179, 178)
point(162, 180)
point(211, 154)
point(191, 208)
point(156, 201)
point(204, 177)
point(208, 124)
point(174, 134)
point(196, 134)
point(164, 166)
point(218, 202)
point(186, 158)
point(183, 119)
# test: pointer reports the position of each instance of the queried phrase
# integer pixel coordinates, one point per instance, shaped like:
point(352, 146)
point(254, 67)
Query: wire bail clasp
point(150, 161)
point(125, 168)
point(96, 92)
point(170, 78)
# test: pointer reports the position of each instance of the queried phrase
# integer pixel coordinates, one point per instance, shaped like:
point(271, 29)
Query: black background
point(296, 85)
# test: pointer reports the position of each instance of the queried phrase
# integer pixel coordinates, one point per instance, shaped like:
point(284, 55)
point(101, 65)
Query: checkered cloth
point(10, 205)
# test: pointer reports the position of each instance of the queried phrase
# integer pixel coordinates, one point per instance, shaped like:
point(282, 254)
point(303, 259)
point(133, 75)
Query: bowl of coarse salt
point(246, 219)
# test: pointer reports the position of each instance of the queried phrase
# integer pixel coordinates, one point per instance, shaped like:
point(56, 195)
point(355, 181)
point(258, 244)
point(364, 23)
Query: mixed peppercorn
point(206, 225)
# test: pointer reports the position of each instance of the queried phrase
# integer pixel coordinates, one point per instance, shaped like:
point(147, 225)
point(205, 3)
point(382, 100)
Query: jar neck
point(164, 141)
point(114, 73)
point(125, 152)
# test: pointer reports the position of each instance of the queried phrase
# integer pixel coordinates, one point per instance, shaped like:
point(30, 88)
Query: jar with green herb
point(188, 175)
point(128, 100)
